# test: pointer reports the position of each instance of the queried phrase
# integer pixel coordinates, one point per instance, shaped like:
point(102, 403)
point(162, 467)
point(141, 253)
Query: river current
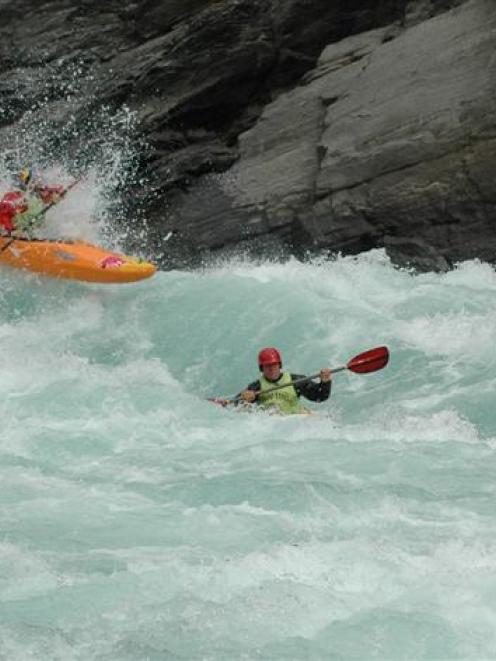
point(140, 521)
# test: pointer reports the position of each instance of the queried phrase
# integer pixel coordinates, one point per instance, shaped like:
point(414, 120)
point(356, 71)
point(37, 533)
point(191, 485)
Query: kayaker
point(286, 400)
point(20, 207)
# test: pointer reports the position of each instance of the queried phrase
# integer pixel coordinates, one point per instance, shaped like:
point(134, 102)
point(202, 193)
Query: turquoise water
point(139, 521)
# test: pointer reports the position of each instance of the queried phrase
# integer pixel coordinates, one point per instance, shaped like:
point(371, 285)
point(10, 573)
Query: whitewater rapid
point(140, 521)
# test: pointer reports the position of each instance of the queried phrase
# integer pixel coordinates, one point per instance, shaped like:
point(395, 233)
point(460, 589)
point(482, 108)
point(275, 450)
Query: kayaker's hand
point(248, 396)
point(219, 400)
point(325, 375)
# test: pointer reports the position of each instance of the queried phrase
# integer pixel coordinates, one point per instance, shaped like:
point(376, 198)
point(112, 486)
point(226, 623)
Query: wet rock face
point(293, 125)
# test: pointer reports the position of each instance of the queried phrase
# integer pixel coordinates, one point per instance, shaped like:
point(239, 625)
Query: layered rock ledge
point(286, 126)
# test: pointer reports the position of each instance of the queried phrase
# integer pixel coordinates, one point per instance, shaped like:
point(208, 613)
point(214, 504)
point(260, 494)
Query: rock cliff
point(280, 125)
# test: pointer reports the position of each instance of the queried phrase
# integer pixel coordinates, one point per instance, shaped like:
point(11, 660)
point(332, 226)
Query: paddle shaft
point(7, 244)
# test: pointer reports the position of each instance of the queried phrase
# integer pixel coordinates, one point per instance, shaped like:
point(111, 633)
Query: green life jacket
point(284, 400)
point(23, 220)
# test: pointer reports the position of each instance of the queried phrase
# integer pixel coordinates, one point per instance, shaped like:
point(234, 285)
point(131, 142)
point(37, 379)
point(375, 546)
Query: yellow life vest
point(284, 400)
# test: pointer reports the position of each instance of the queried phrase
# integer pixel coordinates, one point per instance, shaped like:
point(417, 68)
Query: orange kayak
point(72, 260)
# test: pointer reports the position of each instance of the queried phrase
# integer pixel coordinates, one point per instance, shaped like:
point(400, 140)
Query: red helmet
point(269, 356)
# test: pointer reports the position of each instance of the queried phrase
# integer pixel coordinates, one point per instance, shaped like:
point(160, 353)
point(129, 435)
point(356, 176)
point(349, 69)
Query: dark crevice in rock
point(328, 102)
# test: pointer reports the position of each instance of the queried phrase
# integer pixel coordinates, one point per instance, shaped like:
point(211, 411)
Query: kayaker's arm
point(315, 392)
point(238, 399)
point(254, 387)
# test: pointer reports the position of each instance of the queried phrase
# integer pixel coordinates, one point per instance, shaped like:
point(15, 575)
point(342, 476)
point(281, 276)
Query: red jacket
point(11, 204)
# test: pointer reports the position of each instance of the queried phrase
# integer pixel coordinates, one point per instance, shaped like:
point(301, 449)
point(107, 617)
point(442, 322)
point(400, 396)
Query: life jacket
point(284, 400)
point(23, 219)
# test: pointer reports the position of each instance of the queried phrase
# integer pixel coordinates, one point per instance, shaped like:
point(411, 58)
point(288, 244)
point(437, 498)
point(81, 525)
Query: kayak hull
point(76, 260)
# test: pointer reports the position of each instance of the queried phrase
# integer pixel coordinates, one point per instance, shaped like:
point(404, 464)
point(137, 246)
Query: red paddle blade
point(369, 361)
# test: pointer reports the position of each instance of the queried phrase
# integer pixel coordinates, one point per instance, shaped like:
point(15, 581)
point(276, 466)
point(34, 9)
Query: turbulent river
point(140, 521)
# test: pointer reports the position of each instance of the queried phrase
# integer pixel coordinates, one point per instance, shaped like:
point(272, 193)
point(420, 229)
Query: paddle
point(368, 361)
